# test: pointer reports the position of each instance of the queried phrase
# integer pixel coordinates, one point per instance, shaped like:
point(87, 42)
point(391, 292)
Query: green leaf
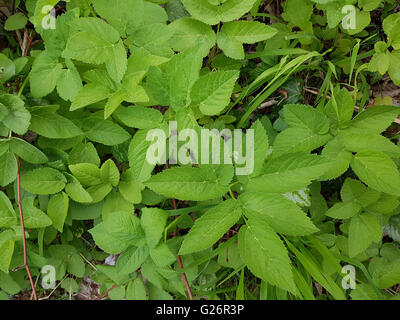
point(153, 222)
point(262, 143)
point(109, 173)
point(280, 213)
point(27, 152)
point(265, 255)
point(197, 184)
point(85, 211)
point(139, 117)
point(344, 210)
point(6, 252)
point(154, 38)
point(289, 173)
point(84, 153)
point(90, 94)
point(57, 210)
point(175, 10)
point(118, 62)
point(46, 122)
point(354, 190)
point(136, 290)
point(341, 108)
point(393, 228)
point(134, 93)
point(386, 273)
point(234, 34)
point(378, 171)
point(8, 68)
point(130, 188)
point(69, 83)
point(46, 71)
point(362, 20)
point(390, 25)
point(43, 181)
point(104, 131)
point(369, 5)
point(8, 168)
point(112, 273)
point(15, 22)
point(189, 32)
point(360, 141)
point(293, 140)
point(125, 225)
point(33, 217)
point(150, 272)
point(157, 86)
point(99, 192)
point(113, 102)
point(141, 169)
point(298, 13)
point(87, 173)
point(340, 159)
point(4, 146)
point(123, 15)
point(120, 231)
point(132, 259)
point(115, 200)
point(210, 227)
point(364, 229)
point(76, 192)
point(386, 204)
point(182, 72)
point(394, 67)
point(162, 255)
point(92, 40)
point(380, 63)
point(306, 117)
point(17, 118)
point(213, 91)
point(375, 119)
point(76, 266)
point(8, 218)
point(229, 10)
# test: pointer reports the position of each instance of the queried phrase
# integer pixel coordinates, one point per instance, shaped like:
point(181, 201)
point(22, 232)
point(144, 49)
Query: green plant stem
point(23, 86)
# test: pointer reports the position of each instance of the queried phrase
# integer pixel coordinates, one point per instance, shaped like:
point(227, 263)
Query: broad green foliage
point(213, 13)
point(384, 59)
point(265, 254)
point(234, 34)
point(82, 103)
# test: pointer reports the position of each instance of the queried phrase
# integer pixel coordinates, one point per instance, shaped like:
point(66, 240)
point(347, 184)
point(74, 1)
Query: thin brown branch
point(28, 46)
point(179, 259)
point(21, 215)
point(106, 293)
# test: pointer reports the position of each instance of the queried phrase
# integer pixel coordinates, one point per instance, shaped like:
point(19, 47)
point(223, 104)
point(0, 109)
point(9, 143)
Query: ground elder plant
point(200, 149)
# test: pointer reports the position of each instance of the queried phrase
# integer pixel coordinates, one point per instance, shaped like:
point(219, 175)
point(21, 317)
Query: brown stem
point(28, 39)
point(21, 216)
point(179, 260)
point(106, 293)
point(185, 279)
